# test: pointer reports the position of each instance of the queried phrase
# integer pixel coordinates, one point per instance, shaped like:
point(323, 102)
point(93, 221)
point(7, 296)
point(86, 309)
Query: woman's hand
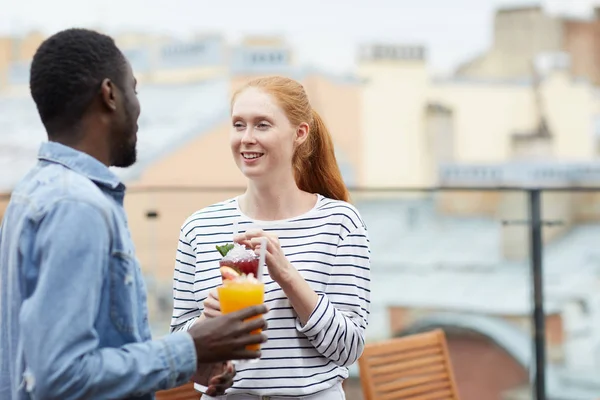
point(220, 383)
point(301, 296)
point(217, 377)
point(212, 307)
point(278, 265)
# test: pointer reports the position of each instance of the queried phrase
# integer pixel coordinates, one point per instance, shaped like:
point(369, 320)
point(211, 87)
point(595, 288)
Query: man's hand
point(225, 338)
point(216, 377)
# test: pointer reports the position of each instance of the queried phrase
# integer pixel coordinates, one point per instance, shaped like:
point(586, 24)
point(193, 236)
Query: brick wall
point(582, 42)
point(482, 369)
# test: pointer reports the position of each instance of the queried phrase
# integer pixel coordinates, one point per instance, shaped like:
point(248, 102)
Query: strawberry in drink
point(237, 261)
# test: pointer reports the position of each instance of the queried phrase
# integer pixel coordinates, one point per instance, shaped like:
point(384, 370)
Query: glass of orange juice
point(237, 294)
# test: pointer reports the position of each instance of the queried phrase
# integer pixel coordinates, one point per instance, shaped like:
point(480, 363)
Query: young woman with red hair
point(318, 261)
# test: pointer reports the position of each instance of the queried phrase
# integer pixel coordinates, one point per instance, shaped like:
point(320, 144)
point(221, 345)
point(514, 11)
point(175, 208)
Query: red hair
point(315, 167)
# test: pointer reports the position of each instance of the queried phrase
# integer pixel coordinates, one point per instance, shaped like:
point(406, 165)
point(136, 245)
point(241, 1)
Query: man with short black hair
point(73, 316)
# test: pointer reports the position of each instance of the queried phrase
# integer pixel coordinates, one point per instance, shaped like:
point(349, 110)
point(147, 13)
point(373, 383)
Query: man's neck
point(84, 145)
point(89, 135)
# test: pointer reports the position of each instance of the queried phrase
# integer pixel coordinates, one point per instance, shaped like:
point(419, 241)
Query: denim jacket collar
point(81, 163)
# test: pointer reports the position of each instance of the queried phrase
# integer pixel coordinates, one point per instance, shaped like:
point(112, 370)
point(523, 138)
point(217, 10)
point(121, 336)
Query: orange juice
point(239, 294)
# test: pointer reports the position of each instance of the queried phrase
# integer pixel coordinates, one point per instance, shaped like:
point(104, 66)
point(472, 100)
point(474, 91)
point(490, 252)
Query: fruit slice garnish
point(224, 249)
point(228, 273)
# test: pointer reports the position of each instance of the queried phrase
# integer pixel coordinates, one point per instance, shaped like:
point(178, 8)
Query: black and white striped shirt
point(330, 248)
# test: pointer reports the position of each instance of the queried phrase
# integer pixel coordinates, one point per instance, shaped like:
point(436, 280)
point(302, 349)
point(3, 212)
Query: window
point(183, 49)
point(276, 58)
point(378, 53)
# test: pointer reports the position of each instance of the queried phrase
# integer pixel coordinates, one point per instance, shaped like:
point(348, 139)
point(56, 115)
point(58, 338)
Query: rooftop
point(435, 250)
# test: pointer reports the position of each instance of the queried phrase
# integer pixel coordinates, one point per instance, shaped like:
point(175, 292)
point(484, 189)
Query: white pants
point(333, 393)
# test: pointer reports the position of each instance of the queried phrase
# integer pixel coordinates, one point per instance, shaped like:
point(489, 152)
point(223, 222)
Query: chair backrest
point(415, 367)
point(185, 392)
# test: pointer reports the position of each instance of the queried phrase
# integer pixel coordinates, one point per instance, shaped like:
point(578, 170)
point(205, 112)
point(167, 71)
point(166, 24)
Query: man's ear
point(108, 94)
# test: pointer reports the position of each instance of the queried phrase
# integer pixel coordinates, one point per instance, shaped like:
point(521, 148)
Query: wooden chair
point(415, 367)
point(185, 392)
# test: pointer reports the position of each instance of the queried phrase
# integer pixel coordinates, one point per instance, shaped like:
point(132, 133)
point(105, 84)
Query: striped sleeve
point(336, 328)
point(185, 308)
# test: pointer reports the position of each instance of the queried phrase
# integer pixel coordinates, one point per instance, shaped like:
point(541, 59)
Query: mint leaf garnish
point(224, 249)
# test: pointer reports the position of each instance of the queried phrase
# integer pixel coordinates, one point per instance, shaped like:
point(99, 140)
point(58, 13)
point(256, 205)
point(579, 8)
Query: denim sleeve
point(60, 342)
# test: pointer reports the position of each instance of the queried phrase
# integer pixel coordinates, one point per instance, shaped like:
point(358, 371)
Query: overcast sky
point(325, 33)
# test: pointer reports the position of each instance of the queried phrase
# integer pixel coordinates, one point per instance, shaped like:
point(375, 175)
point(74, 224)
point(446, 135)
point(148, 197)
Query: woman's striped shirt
point(330, 248)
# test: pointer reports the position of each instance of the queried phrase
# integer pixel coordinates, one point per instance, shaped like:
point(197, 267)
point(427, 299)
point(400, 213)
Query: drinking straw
point(261, 258)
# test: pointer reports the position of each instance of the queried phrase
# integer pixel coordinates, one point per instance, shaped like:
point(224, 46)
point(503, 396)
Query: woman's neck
point(272, 202)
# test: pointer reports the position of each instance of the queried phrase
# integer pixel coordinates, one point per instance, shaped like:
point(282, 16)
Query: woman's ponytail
point(315, 166)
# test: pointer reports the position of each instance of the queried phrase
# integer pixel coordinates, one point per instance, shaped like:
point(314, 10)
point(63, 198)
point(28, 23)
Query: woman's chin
point(252, 170)
point(257, 175)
